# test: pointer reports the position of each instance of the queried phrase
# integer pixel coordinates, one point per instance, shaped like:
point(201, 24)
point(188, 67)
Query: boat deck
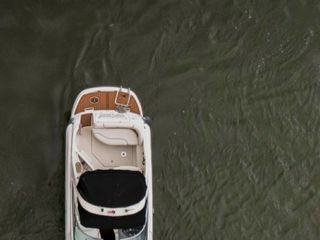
point(104, 100)
point(104, 156)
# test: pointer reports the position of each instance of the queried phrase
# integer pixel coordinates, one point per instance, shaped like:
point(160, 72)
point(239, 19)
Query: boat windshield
point(123, 234)
point(133, 233)
point(79, 235)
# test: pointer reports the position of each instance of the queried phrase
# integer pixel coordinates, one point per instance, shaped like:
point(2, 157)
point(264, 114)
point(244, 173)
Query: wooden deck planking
point(106, 102)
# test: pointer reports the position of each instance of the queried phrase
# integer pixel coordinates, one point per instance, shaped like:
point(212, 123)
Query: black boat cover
point(112, 189)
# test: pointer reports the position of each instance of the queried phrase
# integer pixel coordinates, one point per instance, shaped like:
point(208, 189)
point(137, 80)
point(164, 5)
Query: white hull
point(89, 148)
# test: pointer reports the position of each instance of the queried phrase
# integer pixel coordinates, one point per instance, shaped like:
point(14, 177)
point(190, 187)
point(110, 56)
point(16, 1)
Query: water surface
point(232, 88)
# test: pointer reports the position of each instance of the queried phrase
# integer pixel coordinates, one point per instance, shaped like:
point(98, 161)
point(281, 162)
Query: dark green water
point(233, 88)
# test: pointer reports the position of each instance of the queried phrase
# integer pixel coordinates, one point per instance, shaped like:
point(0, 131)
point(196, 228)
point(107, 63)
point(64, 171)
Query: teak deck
point(103, 101)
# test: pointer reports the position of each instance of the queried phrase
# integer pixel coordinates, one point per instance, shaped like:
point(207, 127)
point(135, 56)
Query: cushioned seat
point(115, 136)
point(113, 120)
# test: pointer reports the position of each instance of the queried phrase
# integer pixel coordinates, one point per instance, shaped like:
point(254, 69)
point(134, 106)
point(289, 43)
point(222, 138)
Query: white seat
point(116, 136)
point(128, 124)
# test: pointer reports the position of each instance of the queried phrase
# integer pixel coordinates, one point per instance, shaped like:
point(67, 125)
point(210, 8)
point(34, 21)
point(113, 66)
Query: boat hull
point(88, 103)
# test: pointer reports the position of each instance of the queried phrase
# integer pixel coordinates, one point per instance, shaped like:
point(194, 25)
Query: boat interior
point(100, 146)
point(108, 148)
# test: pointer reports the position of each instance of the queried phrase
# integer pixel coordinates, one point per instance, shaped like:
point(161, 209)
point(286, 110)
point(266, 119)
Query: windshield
point(122, 234)
point(79, 235)
point(133, 233)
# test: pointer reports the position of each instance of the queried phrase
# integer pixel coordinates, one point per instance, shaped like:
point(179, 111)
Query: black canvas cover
point(112, 189)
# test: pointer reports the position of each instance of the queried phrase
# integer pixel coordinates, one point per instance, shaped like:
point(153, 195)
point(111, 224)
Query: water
point(232, 88)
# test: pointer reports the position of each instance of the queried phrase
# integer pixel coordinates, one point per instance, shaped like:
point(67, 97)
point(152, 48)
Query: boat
point(108, 168)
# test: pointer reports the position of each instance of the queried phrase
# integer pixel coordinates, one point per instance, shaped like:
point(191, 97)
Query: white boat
point(108, 172)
